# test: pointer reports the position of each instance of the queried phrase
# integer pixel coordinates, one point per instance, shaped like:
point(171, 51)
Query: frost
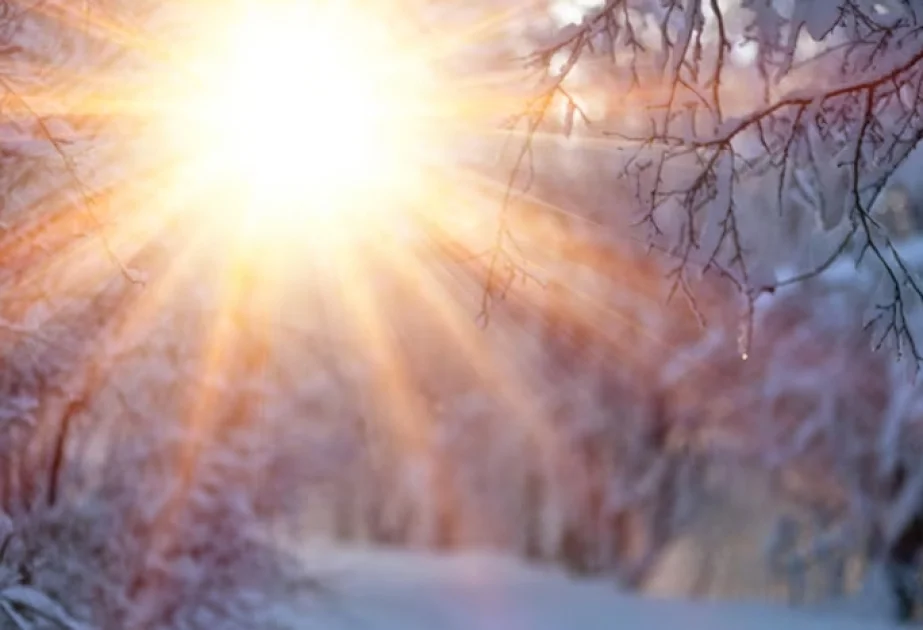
point(40, 604)
point(18, 408)
point(818, 17)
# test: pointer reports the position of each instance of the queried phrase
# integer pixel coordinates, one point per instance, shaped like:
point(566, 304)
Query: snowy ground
point(384, 590)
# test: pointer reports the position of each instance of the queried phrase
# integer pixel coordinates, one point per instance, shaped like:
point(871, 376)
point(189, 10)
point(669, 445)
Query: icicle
point(743, 340)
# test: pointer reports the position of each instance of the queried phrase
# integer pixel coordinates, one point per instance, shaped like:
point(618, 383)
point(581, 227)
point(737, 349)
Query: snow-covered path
point(383, 590)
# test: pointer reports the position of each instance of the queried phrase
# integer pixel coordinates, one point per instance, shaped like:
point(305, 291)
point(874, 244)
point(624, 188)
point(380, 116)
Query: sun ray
point(407, 416)
point(483, 355)
point(481, 31)
point(567, 251)
point(280, 167)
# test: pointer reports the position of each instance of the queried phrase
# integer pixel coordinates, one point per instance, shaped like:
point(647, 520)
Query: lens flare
point(308, 120)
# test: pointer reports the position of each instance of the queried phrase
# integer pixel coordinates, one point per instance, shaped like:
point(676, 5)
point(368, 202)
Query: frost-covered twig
point(842, 123)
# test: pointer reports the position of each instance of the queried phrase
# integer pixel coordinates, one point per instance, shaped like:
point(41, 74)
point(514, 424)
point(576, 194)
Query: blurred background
point(171, 434)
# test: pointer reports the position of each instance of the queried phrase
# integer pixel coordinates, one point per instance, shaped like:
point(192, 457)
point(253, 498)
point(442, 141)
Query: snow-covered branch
point(716, 101)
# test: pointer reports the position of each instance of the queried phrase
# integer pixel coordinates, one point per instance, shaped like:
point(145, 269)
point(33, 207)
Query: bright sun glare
point(307, 115)
point(258, 138)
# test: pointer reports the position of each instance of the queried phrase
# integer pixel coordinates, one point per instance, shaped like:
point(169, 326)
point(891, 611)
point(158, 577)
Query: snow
point(817, 17)
point(39, 603)
point(377, 589)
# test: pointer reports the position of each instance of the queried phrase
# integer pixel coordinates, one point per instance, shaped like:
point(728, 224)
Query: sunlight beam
point(305, 117)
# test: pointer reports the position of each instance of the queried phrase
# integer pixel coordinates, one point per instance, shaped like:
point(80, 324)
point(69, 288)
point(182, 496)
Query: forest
point(628, 290)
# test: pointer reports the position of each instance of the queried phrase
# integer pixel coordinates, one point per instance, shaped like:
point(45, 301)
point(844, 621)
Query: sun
point(308, 119)
point(297, 108)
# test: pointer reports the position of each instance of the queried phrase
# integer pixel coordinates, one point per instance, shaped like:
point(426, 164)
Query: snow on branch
point(718, 100)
